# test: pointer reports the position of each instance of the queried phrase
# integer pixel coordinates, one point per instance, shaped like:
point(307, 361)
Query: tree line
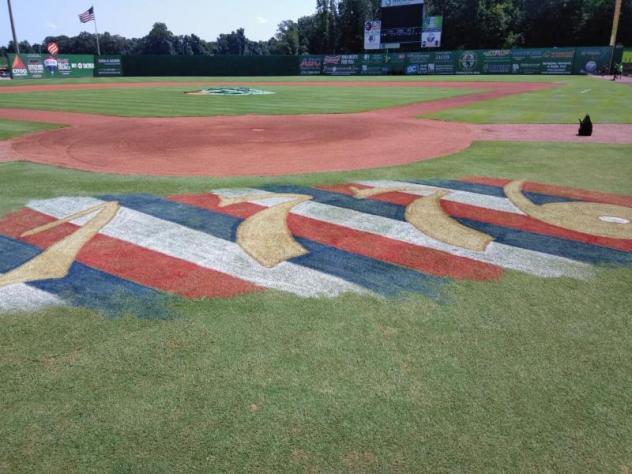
point(337, 26)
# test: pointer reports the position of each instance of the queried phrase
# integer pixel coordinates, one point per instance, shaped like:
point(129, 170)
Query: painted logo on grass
point(229, 91)
point(382, 238)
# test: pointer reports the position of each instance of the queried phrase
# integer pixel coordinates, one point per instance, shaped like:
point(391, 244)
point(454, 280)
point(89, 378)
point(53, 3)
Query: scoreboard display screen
point(402, 21)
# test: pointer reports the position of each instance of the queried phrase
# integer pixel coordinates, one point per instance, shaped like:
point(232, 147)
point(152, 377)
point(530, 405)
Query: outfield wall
point(210, 65)
point(551, 61)
point(46, 66)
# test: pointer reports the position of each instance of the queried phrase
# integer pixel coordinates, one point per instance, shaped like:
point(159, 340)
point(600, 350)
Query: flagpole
point(15, 37)
point(97, 35)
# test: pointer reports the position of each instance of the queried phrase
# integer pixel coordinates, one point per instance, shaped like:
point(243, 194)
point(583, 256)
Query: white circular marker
point(614, 220)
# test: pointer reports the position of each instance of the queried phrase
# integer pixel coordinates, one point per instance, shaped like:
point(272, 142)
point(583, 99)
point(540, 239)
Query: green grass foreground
point(519, 375)
point(173, 102)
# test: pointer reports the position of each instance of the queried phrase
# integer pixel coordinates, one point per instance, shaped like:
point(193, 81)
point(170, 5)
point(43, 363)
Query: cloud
point(52, 25)
point(262, 20)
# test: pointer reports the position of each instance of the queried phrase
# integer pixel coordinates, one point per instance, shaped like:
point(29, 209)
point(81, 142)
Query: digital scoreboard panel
point(402, 22)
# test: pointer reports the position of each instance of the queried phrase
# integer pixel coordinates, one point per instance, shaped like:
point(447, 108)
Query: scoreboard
point(401, 22)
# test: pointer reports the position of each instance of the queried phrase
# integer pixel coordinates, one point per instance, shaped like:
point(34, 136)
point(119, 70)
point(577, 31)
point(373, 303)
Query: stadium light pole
point(615, 23)
point(15, 37)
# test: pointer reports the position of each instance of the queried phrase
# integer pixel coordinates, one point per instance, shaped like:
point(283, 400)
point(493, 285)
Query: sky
point(36, 19)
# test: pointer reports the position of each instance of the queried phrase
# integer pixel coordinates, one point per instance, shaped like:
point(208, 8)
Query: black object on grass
point(585, 127)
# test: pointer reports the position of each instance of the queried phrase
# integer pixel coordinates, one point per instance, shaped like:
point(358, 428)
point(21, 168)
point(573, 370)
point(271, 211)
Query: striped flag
point(87, 16)
point(53, 48)
point(188, 245)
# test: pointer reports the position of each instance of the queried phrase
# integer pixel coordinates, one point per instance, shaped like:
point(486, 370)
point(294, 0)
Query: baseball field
point(385, 274)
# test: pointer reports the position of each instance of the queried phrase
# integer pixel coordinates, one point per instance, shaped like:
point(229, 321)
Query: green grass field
point(519, 375)
point(11, 128)
point(172, 101)
point(572, 98)
point(603, 100)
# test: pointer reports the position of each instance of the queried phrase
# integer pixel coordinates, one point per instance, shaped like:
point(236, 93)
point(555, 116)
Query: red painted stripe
point(503, 219)
point(429, 261)
point(131, 262)
point(571, 193)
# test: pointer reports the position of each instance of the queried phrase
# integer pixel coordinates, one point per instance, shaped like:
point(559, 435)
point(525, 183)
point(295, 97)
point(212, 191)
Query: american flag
point(87, 16)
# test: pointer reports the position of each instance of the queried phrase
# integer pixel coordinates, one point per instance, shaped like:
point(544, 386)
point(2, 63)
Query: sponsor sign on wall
point(592, 60)
point(107, 66)
point(497, 61)
point(558, 61)
point(41, 66)
point(311, 65)
point(372, 34)
point(400, 3)
point(431, 32)
point(341, 65)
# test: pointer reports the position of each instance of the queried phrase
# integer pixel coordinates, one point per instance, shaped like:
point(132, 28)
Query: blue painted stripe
point(517, 238)
point(489, 190)
point(87, 287)
point(380, 277)
point(552, 245)
point(213, 223)
point(383, 278)
point(368, 206)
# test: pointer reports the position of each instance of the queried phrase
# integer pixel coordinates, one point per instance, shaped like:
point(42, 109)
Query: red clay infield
point(252, 145)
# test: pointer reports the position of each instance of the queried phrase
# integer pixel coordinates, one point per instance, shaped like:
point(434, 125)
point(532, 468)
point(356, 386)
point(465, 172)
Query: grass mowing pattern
point(172, 102)
point(11, 128)
point(606, 102)
point(272, 79)
point(518, 375)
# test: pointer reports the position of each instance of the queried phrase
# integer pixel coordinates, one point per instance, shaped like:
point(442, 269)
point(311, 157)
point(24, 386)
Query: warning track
point(257, 145)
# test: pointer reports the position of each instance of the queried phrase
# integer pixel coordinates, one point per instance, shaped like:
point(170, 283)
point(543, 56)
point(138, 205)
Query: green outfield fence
point(210, 65)
point(554, 61)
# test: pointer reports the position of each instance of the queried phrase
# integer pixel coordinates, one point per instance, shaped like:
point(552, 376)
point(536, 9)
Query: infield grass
point(172, 101)
point(523, 374)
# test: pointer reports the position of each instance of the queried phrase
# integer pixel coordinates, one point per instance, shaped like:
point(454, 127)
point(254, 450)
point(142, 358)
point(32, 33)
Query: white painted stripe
point(585, 91)
point(506, 256)
point(203, 249)
point(463, 197)
point(26, 298)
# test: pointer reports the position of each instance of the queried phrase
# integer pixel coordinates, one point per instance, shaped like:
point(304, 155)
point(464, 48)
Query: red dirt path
point(251, 145)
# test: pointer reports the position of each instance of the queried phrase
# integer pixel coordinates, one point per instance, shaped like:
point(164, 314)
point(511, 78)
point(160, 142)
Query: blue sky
point(36, 19)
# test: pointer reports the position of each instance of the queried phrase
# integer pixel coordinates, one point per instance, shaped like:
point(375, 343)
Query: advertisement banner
point(40, 66)
point(558, 61)
point(627, 56)
point(527, 61)
point(420, 64)
point(592, 60)
point(373, 65)
point(400, 3)
point(108, 66)
point(445, 62)
point(341, 65)
point(469, 62)
point(373, 34)
point(311, 65)
point(496, 61)
point(431, 31)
